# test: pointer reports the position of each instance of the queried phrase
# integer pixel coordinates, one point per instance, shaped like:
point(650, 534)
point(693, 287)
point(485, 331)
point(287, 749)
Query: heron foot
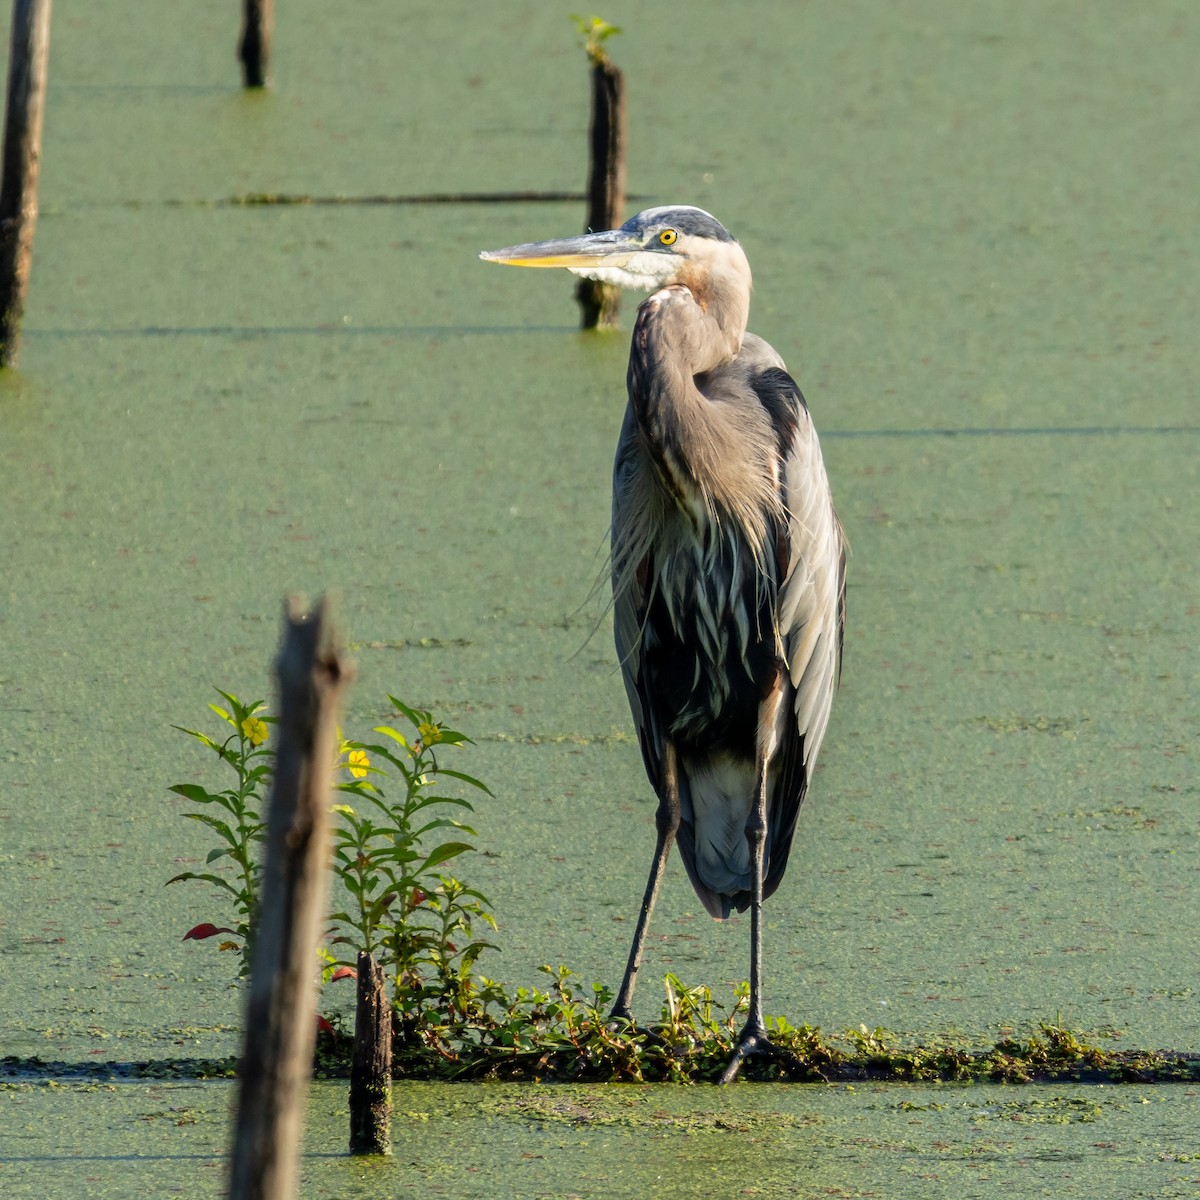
point(753, 1042)
point(618, 1016)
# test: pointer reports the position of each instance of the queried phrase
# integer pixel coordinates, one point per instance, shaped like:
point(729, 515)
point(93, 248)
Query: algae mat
point(572, 1143)
point(973, 233)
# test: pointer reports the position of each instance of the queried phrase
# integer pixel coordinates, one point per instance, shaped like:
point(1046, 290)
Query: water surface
point(973, 235)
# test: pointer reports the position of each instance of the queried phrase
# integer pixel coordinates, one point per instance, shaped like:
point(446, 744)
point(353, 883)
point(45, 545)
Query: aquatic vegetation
point(595, 31)
point(397, 824)
point(235, 815)
point(560, 1032)
point(397, 902)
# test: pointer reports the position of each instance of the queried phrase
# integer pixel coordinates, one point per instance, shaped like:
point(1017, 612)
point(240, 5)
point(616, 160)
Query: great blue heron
point(728, 569)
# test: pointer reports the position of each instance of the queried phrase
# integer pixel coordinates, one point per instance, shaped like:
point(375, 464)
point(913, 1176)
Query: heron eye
point(668, 237)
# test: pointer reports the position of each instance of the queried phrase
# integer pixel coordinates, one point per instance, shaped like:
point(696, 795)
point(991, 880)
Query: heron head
point(675, 243)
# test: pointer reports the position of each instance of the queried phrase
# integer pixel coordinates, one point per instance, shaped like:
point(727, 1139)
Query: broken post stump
point(371, 1064)
point(280, 1027)
point(254, 48)
point(599, 301)
point(29, 55)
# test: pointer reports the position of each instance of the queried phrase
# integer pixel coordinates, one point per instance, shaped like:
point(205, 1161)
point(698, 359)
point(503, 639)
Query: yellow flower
point(359, 763)
point(254, 730)
point(430, 734)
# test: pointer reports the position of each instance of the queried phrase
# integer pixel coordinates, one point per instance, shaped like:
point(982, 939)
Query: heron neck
point(705, 452)
point(720, 309)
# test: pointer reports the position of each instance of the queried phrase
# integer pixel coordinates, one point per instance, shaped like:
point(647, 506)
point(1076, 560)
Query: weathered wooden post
point(28, 56)
point(371, 1065)
point(599, 302)
point(281, 1008)
point(254, 49)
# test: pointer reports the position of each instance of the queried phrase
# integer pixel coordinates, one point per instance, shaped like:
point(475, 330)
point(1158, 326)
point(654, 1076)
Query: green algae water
point(493, 1142)
point(501, 1141)
point(973, 236)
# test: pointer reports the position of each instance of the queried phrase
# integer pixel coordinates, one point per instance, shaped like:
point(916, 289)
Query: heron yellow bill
point(612, 248)
point(620, 256)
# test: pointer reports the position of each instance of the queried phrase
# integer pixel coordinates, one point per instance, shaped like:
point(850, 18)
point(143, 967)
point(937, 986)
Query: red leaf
point(343, 973)
point(323, 1026)
point(205, 930)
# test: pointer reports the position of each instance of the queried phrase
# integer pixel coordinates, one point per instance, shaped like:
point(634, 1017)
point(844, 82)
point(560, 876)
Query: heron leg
point(753, 1038)
point(666, 820)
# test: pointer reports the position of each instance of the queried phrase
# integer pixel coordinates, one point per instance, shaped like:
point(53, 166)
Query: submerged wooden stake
point(606, 184)
point(254, 49)
point(371, 1066)
point(281, 1009)
point(28, 57)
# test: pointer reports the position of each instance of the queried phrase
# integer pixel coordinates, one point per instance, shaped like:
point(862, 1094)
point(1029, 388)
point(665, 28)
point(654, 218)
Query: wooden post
point(606, 183)
point(281, 1008)
point(254, 49)
point(28, 56)
point(371, 1066)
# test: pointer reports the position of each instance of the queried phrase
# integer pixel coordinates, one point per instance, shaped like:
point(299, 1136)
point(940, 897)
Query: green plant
point(418, 922)
point(595, 31)
point(241, 827)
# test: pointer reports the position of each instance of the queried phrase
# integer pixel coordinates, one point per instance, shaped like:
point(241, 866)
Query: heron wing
point(810, 611)
point(812, 599)
point(629, 598)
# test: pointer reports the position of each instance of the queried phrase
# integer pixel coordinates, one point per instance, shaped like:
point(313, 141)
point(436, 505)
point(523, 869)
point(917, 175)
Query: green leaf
point(243, 710)
point(219, 747)
point(213, 855)
point(384, 752)
point(414, 715)
point(442, 823)
point(206, 878)
point(426, 801)
point(594, 31)
point(195, 793)
point(465, 778)
point(380, 906)
point(445, 852)
point(362, 788)
point(396, 854)
point(388, 731)
point(214, 823)
point(379, 800)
